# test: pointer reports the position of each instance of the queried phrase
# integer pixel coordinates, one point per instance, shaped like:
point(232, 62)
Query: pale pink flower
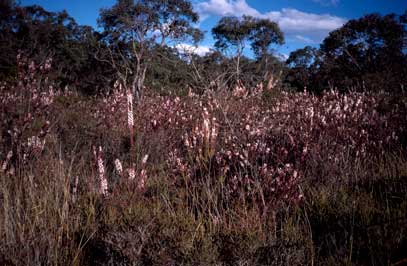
point(118, 166)
point(143, 179)
point(102, 177)
point(205, 129)
point(130, 118)
point(144, 160)
point(4, 166)
point(131, 173)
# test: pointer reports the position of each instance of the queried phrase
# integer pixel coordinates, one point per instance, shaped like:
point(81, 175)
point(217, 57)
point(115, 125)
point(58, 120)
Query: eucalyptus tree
point(234, 33)
point(133, 28)
point(369, 52)
point(304, 64)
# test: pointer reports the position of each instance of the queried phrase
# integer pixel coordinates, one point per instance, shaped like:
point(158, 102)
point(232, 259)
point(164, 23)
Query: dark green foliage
point(40, 35)
point(231, 31)
point(264, 34)
point(168, 72)
point(132, 29)
point(366, 53)
point(304, 64)
point(369, 51)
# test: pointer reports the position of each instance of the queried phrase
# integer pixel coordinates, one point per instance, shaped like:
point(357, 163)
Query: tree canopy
point(234, 33)
point(133, 28)
point(140, 39)
point(371, 49)
point(365, 53)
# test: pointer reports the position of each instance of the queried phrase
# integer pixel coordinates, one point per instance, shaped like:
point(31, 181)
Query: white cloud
point(291, 21)
point(327, 2)
point(225, 8)
point(200, 50)
point(282, 56)
point(304, 39)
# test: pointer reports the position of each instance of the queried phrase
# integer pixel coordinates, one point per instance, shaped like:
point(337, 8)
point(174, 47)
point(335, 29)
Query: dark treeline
point(137, 39)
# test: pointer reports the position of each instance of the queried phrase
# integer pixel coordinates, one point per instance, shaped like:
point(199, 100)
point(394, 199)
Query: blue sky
point(304, 22)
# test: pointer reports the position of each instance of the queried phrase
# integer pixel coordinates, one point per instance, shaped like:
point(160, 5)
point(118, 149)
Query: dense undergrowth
point(251, 177)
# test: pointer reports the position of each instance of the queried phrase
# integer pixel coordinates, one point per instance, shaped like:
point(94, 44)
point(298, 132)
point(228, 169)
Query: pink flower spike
point(130, 118)
point(143, 179)
point(101, 169)
point(118, 166)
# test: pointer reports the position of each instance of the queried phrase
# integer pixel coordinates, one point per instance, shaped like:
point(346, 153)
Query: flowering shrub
point(225, 161)
point(25, 112)
point(262, 151)
point(254, 150)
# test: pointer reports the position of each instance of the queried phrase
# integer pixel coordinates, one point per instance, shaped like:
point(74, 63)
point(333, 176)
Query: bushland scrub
point(247, 177)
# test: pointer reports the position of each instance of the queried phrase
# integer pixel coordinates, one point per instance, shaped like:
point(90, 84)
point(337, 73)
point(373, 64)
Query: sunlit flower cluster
point(254, 145)
point(255, 149)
